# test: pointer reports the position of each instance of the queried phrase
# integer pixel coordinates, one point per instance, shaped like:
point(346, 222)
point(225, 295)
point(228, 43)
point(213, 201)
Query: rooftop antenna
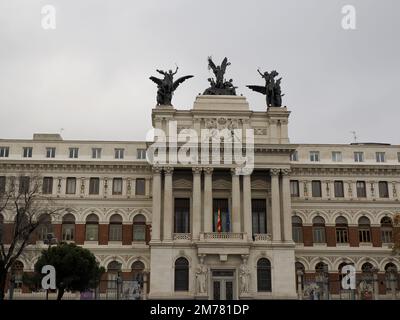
point(354, 136)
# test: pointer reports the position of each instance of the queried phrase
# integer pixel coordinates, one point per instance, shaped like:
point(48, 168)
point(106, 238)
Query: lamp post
point(50, 239)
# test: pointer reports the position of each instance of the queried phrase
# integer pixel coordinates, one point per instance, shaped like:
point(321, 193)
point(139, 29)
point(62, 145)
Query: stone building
point(202, 231)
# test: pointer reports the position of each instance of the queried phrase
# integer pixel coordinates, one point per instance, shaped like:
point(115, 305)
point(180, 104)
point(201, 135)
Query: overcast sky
point(89, 76)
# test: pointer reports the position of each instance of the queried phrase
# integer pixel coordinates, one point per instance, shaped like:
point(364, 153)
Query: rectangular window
point(141, 154)
point(68, 232)
point(383, 189)
point(336, 156)
point(361, 190)
point(96, 153)
point(117, 186)
point(221, 216)
point(364, 234)
point(140, 188)
point(94, 185)
point(27, 152)
point(359, 156)
point(47, 187)
point(342, 235)
point(380, 157)
point(71, 186)
point(50, 152)
point(319, 234)
point(73, 153)
point(294, 188)
point(115, 232)
point(294, 156)
point(314, 156)
point(139, 232)
point(316, 188)
point(182, 215)
point(119, 153)
point(4, 152)
point(92, 232)
point(2, 184)
point(339, 191)
point(24, 184)
point(259, 215)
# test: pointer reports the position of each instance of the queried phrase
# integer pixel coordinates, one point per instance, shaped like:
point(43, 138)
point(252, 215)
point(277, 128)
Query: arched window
point(139, 228)
point(387, 230)
point(297, 229)
point(113, 270)
point(17, 271)
point(137, 272)
point(181, 274)
point(263, 275)
point(391, 277)
point(342, 231)
point(22, 225)
point(45, 228)
point(300, 271)
point(364, 229)
point(68, 227)
point(319, 230)
point(92, 227)
point(115, 230)
point(366, 270)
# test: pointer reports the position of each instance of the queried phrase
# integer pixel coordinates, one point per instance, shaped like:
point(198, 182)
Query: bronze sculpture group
point(219, 85)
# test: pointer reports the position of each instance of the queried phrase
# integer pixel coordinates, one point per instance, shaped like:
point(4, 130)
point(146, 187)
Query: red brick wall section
point(307, 236)
point(330, 236)
point(127, 236)
point(334, 283)
point(376, 236)
point(8, 232)
point(57, 228)
point(103, 283)
point(353, 237)
point(103, 234)
point(79, 233)
point(382, 283)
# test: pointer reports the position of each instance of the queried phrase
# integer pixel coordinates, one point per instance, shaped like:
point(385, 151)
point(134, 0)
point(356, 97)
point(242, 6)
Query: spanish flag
point(219, 224)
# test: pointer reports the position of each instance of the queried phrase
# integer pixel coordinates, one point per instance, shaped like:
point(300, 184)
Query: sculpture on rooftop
point(271, 89)
point(219, 85)
point(167, 86)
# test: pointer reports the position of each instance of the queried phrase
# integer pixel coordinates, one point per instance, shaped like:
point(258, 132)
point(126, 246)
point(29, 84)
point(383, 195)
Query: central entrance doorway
point(223, 285)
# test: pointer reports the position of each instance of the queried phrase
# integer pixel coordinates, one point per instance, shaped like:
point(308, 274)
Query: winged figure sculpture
point(271, 89)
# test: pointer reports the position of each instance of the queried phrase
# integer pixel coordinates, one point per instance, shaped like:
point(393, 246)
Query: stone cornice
point(350, 170)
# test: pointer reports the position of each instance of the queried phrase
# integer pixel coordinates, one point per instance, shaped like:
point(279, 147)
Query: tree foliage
point(76, 267)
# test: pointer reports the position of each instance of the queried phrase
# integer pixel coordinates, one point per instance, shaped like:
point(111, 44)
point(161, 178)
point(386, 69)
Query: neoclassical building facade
point(200, 230)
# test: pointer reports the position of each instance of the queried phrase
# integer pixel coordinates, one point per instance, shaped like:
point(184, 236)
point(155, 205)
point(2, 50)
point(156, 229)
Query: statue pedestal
point(201, 296)
point(245, 296)
point(220, 103)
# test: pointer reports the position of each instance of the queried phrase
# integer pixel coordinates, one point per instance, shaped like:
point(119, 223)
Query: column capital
point(233, 172)
point(208, 170)
point(274, 171)
point(156, 170)
point(286, 172)
point(168, 170)
point(197, 170)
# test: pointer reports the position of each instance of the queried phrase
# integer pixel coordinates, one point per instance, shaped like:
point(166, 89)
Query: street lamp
point(50, 240)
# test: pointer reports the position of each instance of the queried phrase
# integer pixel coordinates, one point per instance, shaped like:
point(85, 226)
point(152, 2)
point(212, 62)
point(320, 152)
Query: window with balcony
point(294, 188)
point(259, 215)
point(221, 217)
point(182, 215)
point(339, 191)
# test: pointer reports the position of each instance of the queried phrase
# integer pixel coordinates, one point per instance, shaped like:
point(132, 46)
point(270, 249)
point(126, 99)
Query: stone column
point(196, 224)
point(276, 219)
point(286, 206)
point(235, 202)
point(247, 221)
point(156, 219)
point(208, 200)
point(168, 218)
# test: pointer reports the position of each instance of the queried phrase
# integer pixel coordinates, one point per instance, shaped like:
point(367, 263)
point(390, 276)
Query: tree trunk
point(60, 293)
point(3, 277)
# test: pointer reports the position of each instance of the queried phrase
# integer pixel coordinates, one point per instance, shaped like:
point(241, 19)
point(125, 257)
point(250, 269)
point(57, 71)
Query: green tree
point(76, 267)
